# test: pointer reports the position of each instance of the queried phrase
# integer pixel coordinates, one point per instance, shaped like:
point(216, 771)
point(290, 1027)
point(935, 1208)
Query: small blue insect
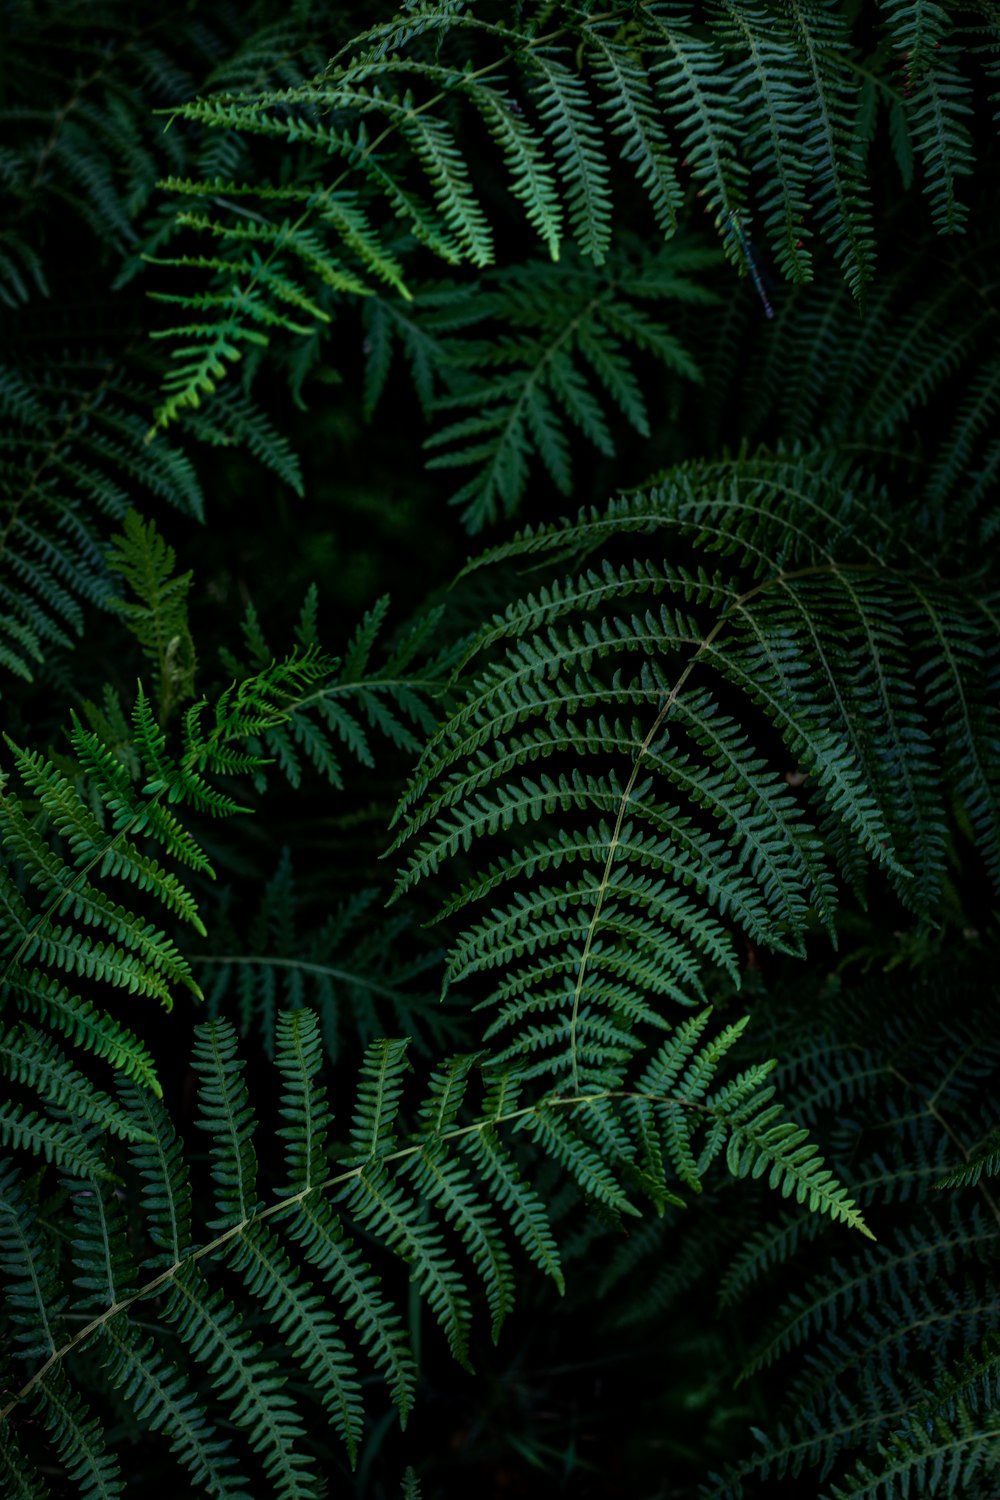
point(732, 221)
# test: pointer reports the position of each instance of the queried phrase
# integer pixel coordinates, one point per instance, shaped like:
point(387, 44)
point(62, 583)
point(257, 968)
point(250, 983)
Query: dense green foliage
point(525, 1026)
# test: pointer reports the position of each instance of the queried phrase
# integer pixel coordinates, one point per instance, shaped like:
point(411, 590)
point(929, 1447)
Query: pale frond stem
point(370, 685)
point(667, 704)
point(930, 1105)
point(251, 960)
point(281, 1207)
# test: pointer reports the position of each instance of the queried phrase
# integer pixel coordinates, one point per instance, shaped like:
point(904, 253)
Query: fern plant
point(695, 788)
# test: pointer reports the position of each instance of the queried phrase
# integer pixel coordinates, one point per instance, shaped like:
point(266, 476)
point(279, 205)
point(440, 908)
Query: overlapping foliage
point(695, 790)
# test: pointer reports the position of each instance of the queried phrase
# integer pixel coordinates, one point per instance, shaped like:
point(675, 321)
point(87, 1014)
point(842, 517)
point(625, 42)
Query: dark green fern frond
point(350, 969)
point(936, 104)
point(394, 700)
point(839, 198)
point(945, 1445)
point(380, 1193)
point(871, 1338)
point(769, 86)
point(678, 795)
point(984, 1160)
point(548, 353)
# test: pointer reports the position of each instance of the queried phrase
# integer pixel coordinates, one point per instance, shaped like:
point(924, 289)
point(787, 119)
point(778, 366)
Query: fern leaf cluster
point(886, 1356)
point(682, 1005)
point(754, 109)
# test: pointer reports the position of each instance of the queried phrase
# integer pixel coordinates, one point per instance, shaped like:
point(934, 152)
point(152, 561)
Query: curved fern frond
point(805, 623)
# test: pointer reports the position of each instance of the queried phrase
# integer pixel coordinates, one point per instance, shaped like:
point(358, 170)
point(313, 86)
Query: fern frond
point(249, 1382)
point(157, 616)
point(78, 1439)
point(70, 453)
point(935, 105)
point(560, 353)
point(157, 1391)
point(985, 1159)
point(944, 1444)
point(351, 970)
point(30, 1058)
point(394, 699)
point(838, 194)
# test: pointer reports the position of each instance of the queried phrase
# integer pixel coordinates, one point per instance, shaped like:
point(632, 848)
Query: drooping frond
point(157, 615)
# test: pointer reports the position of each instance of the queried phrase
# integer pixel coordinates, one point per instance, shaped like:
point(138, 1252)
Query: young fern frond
point(60, 915)
point(157, 616)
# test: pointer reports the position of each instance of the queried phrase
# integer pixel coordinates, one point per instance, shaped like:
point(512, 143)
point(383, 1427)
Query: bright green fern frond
point(157, 616)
